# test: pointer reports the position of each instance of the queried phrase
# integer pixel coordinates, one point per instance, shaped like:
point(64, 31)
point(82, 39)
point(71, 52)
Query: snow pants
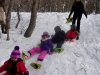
point(78, 18)
point(38, 50)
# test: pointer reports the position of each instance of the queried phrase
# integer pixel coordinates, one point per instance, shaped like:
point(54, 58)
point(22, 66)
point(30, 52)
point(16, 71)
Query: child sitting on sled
point(46, 47)
point(15, 65)
point(72, 34)
point(59, 37)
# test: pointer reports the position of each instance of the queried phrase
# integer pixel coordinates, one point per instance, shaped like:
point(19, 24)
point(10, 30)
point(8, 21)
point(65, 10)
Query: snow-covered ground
point(81, 57)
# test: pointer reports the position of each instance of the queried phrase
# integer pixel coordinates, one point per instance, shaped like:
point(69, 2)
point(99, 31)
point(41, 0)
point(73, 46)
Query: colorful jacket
point(47, 45)
point(20, 67)
point(71, 34)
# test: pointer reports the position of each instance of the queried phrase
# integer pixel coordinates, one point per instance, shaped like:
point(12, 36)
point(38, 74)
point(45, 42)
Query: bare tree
point(8, 17)
point(33, 19)
point(58, 5)
point(97, 6)
point(20, 6)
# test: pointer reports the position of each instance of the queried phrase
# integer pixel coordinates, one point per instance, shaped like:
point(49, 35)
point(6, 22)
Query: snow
point(81, 57)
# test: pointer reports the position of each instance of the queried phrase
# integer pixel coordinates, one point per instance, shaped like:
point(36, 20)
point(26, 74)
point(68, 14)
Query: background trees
point(57, 5)
point(34, 6)
point(32, 23)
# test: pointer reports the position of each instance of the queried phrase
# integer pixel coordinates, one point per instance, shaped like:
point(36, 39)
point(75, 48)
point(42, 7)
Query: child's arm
point(50, 45)
point(3, 67)
point(23, 69)
point(63, 35)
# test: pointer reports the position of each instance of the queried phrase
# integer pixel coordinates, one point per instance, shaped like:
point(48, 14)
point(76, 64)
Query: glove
point(50, 53)
point(25, 73)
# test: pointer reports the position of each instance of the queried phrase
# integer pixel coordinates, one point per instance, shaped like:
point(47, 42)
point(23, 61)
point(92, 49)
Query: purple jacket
point(47, 45)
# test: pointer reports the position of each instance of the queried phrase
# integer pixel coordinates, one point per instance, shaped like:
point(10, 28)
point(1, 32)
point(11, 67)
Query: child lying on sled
point(72, 34)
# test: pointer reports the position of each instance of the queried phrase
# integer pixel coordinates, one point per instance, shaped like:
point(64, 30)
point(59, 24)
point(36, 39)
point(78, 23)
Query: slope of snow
point(81, 57)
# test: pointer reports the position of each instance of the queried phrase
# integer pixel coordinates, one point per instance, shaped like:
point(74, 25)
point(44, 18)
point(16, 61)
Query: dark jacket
point(13, 68)
point(78, 9)
point(59, 36)
point(47, 45)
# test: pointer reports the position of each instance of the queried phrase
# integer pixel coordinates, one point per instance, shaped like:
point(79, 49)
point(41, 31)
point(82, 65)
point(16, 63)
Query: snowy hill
point(81, 57)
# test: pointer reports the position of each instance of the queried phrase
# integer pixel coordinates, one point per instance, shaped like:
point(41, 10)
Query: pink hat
point(15, 53)
point(46, 34)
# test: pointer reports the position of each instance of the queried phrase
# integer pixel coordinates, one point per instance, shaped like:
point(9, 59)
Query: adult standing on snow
point(2, 19)
point(78, 9)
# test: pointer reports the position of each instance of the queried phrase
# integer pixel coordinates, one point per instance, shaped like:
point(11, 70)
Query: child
point(15, 65)
point(46, 47)
point(71, 34)
point(59, 37)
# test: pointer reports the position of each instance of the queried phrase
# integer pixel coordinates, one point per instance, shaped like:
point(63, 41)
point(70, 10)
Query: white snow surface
point(81, 57)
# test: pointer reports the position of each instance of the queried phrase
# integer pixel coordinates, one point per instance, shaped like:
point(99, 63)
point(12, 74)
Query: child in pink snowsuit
point(46, 47)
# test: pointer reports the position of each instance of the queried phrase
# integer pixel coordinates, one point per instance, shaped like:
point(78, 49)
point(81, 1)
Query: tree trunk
point(8, 17)
point(19, 8)
point(32, 24)
point(97, 6)
point(18, 14)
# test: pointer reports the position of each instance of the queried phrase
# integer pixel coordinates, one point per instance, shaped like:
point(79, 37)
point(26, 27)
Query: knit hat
point(15, 53)
point(45, 34)
point(57, 28)
point(73, 27)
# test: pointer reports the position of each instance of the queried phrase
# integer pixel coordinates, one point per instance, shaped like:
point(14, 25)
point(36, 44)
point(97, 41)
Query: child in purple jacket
point(46, 47)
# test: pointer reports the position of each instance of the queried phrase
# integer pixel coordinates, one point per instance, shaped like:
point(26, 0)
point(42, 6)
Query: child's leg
point(32, 51)
point(41, 57)
point(59, 44)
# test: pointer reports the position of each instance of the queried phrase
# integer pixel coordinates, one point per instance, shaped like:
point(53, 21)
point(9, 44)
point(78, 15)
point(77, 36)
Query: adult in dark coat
point(78, 10)
point(58, 37)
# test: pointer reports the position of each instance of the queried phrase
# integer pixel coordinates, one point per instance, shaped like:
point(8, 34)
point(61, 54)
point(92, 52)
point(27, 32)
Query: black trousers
point(59, 44)
point(78, 22)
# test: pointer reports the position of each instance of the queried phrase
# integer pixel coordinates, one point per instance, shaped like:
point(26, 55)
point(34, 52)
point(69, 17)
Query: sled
point(35, 65)
point(23, 57)
point(69, 20)
point(58, 50)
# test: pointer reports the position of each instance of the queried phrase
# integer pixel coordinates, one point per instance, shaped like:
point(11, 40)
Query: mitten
point(50, 53)
point(25, 73)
